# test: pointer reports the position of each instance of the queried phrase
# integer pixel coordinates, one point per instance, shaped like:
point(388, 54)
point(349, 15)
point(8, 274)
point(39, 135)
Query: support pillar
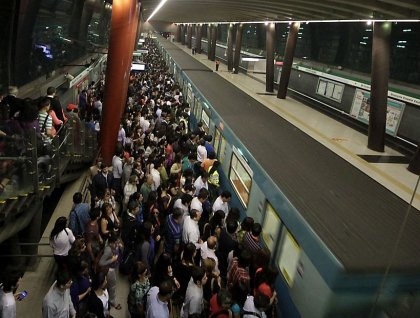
point(178, 33)
point(183, 34)
point(230, 48)
point(238, 46)
point(213, 42)
point(269, 48)
point(198, 38)
point(379, 85)
point(289, 53)
point(123, 30)
point(209, 27)
point(189, 36)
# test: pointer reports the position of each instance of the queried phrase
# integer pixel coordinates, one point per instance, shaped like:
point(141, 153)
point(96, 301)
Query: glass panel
point(241, 179)
point(244, 175)
point(271, 227)
point(222, 151)
point(206, 121)
point(289, 258)
point(239, 187)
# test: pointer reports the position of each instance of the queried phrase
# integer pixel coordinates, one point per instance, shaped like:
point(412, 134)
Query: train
point(329, 227)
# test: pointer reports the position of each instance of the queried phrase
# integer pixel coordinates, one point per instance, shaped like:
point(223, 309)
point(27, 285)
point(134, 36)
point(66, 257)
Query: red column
point(124, 23)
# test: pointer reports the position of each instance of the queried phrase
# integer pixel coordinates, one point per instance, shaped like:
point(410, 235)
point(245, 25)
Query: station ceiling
point(196, 11)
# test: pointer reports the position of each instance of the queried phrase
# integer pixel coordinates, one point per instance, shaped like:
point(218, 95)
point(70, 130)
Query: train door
point(240, 176)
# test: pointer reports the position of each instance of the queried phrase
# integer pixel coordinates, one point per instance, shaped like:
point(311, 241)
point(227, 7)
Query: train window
point(271, 227)
point(216, 140)
point(241, 177)
point(198, 110)
point(206, 121)
point(289, 257)
point(222, 150)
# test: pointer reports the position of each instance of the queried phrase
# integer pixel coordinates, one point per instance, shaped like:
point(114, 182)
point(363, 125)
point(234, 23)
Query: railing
point(29, 164)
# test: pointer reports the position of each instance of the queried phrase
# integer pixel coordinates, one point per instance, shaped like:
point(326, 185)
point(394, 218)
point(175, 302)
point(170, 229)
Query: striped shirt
point(249, 243)
point(173, 234)
point(41, 119)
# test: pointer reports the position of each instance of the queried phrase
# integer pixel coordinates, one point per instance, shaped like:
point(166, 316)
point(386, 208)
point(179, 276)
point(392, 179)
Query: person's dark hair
point(104, 206)
point(226, 194)
point(208, 138)
point(98, 280)
point(194, 213)
point(262, 257)
point(132, 205)
point(256, 229)
point(234, 214)
point(60, 225)
point(166, 288)
point(77, 198)
point(138, 269)
point(177, 213)
point(197, 274)
point(203, 194)
point(51, 90)
point(224, 298)
point(261, 301)
point(10, 281)
point(231, 226)
point(247, 223)
point(186, 198)
point(244, 258)
point(45, 101)
point(188, 254)
point(62, 277)
point(212, 155)
point(204, 174)
point(94, 213)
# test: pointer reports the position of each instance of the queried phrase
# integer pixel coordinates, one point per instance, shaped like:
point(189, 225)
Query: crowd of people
point(159, 215)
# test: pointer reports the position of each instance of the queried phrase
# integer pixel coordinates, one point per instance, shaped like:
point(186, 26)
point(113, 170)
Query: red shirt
point(214, 308)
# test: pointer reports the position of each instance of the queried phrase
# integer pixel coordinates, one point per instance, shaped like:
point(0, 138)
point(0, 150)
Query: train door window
point(222, 150)
point(271, 227)
point(198, 111)
point(216, 140)
point(206, 121)
point(240, 176)
point(289, 257)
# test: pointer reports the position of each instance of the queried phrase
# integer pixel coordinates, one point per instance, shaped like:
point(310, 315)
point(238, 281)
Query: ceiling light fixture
point(160, 5)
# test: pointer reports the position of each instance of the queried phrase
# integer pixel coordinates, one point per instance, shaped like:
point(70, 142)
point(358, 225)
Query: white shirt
point(117, 167)
point(199, 184)
point(61, 244)
point(8, 305)
point(190, 232)
point(104, 299)
point(201, 153)
point(178, 204)
point(249, 306)
point(207, 252)
point(220, 205)
point(196, 204)
point(155, 307)
point(193, 303)
point(98, 105)
point(156, 179)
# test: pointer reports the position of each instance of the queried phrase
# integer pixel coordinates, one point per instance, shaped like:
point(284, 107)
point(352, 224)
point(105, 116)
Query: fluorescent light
point(315, 21)
point(160, 5)
point(250, 59)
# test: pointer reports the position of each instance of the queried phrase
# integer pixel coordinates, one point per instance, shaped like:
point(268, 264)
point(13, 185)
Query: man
point(8, 300)
point(197, 202)
point(158, 299)
point(44, 119)
point(201, 183)
point(191, 231)
point(208, 250)
point(222, 202)
point(183, 203)
point(227, 243)
point(101, 182)
point(57, 302)
point(173, 233)
point(146, 188)
point(79, 215)
point(193, 303)
point(201, 151)
point(130, 225)
point(55, 104)
point(251, 240)
point(117, 171)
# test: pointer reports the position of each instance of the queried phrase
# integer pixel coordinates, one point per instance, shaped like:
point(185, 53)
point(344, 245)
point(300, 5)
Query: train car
point(330, 228)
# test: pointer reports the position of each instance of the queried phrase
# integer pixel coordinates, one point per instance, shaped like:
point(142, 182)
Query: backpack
point(127, 262)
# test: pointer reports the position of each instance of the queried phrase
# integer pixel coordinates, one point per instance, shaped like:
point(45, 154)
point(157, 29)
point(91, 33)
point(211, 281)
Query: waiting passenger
point(251, 240)
point(193, 303)
point(158, 299)
point(57, 302)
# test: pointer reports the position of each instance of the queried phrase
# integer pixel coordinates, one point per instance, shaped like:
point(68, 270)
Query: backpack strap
point(251, 313)
point(78, 221)
point(44, 123)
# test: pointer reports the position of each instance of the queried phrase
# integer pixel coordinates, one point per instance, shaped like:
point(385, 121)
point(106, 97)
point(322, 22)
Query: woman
point(184, 269)
point(140, 285)
point(93, 238)
point(109, 221)
point(77, 255)
point(80, 289)
point(146, 245)
point(61, 239)
point(163, 271)
point(56, 121)
point(214, 226)
point(98, 299)
point(129, 188)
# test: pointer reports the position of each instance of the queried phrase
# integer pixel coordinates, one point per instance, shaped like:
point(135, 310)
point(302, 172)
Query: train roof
point(356, 217)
